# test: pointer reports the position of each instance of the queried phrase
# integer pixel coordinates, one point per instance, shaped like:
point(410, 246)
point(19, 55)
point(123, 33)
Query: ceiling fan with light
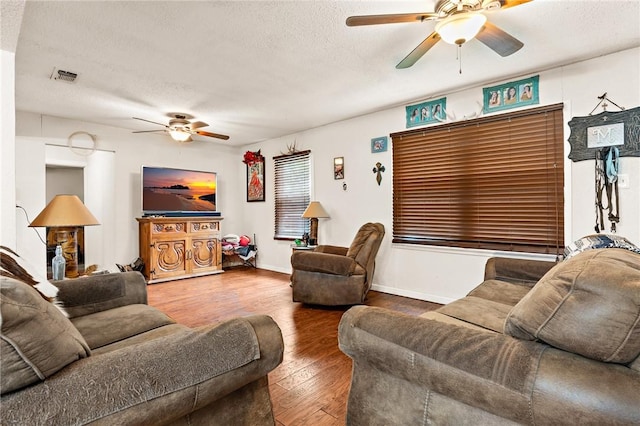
point(458, 21)
point(180, 128)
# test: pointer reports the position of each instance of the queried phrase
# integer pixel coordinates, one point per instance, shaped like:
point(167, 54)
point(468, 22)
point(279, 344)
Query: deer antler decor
point(291, 149)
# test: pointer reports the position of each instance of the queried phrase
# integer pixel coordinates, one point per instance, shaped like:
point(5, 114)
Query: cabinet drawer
point(204, 226)
point(168, 228)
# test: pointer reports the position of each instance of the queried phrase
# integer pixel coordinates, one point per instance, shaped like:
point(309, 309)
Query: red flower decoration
point(250, 158)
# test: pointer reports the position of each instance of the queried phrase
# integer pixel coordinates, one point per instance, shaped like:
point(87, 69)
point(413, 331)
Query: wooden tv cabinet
point(179, 247)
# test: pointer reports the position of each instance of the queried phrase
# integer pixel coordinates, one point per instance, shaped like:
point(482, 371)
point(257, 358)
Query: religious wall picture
point(511, 95)
point(255, 179)
point(379, 144)
point(426, 112)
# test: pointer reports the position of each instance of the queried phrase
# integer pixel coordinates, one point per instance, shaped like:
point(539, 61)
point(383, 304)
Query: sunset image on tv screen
point(166, 190)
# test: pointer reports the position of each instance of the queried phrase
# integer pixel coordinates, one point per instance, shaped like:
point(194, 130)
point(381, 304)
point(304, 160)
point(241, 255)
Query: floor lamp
point(66, 213)
point(313, 212)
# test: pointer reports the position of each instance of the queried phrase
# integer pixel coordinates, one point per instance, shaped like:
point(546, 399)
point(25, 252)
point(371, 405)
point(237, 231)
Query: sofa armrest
point(95, 293)
point(342, 251)
point(323, 262)
point(526, 382)
point(155, 382)
point(516, 271)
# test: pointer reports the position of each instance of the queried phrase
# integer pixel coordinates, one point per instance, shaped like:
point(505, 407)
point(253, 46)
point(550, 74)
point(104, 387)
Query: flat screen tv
point(178, 192)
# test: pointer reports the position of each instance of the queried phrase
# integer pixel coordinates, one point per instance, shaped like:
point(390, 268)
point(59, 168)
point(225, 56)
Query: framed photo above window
point(255, 180)
point(511, 95)
point(426, 112)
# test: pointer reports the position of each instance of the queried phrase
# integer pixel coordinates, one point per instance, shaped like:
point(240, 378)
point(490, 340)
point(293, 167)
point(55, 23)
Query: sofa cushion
point(364, 242)
point(37, 340)
point(589, 305)
point(106, 327)
point(500, 291)
point(484, 313)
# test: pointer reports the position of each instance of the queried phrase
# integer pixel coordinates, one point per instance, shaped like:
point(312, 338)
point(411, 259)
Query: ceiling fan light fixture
point(179, 135)
point(460, 27)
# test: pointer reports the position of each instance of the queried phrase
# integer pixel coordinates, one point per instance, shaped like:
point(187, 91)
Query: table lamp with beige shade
point(313, 212)
point(65, 214)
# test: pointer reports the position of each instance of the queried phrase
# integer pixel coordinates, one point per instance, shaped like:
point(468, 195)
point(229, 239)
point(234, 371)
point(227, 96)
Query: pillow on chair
point(587, 305)
point(36, 339)
point(598, 241)
point(14, 266)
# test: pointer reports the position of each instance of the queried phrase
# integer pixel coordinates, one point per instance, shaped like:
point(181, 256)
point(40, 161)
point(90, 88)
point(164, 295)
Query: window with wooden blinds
point(293, 194)
point(495, 182)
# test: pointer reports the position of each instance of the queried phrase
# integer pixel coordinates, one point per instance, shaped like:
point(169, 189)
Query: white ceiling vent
point(62, 75)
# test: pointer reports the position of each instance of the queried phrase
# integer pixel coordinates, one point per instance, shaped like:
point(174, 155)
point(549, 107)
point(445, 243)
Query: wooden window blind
point(495, 182)
point(293, 194)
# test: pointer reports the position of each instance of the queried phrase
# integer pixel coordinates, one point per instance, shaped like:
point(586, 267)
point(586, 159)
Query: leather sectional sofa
point(536, 343)
point(117, 360)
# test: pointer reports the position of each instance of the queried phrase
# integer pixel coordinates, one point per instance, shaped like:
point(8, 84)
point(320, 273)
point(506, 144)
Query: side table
point(295, 247)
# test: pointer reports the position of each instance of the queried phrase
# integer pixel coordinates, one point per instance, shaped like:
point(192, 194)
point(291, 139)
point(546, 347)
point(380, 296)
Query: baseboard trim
point(274, 268)
point(381, 288)
point(412, 294)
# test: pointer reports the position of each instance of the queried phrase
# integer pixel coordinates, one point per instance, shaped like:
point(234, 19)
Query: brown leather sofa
point(333, 275)
point(117, 360)
point(533, 344)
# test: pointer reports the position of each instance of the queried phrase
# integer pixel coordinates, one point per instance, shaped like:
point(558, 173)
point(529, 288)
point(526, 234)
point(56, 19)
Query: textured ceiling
point(256, 70)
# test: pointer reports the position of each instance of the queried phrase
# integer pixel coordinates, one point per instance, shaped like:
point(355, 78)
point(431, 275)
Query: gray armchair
point(333, 275)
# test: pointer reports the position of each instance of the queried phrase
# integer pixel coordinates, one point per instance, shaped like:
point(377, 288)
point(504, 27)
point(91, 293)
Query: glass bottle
point(58, 264)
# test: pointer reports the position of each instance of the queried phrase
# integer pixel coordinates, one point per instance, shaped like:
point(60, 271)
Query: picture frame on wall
point(255, 180)
point(338, 168)
point(379, 144)
point(426, 112)
point(514, 94)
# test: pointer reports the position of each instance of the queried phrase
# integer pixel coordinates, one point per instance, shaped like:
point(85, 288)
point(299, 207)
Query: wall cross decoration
point(378, 169)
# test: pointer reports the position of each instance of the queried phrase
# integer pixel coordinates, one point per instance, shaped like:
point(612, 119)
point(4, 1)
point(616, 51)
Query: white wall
point(112, 181)
point(7, 148)
point(444, 274)
point(436, 274)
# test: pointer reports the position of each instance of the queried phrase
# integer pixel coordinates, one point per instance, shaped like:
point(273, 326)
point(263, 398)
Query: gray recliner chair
point(332, 275)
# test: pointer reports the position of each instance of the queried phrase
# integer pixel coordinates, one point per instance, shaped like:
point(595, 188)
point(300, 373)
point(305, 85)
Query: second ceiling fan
point(180, 128)
point(458, 22)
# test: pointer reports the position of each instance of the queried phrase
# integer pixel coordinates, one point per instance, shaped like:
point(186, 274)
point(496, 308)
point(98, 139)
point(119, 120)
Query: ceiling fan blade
point(353, 21)
point(504, 4)
point(198, 124)
point(212, 135)
point(149, 131)
point(499, 41)
point(419, 51)
point(149, 121)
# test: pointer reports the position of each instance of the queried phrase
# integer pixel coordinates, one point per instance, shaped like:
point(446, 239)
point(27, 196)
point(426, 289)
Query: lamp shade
point(65, 210)
point(461, 27)
point(315, 209)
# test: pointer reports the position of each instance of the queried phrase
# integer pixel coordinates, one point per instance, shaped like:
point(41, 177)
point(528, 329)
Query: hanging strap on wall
point(606, 181)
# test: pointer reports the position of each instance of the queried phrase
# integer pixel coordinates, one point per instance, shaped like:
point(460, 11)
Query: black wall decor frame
point(602, 129)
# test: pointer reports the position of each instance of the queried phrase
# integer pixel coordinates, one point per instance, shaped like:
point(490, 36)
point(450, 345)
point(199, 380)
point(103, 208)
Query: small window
point(496, 182)
point(293, 194)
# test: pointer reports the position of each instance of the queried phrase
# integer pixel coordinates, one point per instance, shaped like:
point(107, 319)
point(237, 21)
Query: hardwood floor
point(311, 385)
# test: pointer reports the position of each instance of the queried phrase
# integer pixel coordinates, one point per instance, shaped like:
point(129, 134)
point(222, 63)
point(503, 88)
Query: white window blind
point(292, 194)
